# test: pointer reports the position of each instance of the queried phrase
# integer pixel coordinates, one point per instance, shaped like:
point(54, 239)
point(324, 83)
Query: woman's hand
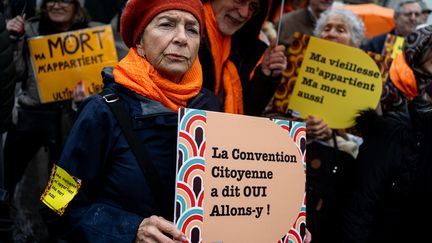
point(16, 25)
point(308, 237)
point(317, 128)
point(275, 61)
point(154, 230)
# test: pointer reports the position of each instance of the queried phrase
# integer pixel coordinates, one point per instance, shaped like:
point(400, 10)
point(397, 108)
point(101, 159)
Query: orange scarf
point(226, 71)
point(403, 77)
point(137, 74)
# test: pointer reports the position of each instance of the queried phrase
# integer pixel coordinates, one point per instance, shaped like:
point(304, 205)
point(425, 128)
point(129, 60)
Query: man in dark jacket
point(407, 17)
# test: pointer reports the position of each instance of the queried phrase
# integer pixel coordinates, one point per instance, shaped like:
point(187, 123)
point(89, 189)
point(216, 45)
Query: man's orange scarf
point(137, 74)
point(403, 77)
point(226, 71)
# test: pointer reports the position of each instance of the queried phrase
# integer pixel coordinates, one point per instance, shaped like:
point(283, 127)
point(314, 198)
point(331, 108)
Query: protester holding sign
point(343, 27)
point(391, 199)
point(119, 198)
point(230, 52)
point(330, 153)
point(325, 201)
point(38, 125)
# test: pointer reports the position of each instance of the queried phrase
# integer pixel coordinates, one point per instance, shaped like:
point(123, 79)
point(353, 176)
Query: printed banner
point(328, 80)
point(61, 61)
point(240, 178)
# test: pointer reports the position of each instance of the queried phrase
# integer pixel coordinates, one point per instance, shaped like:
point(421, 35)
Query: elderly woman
point(341, 26)
point(327, 180)
point(160, 74)
point(394, 180)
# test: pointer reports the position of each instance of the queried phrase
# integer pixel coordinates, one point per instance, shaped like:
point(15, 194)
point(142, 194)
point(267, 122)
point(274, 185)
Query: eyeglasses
point(253, 5)
point(62, 3)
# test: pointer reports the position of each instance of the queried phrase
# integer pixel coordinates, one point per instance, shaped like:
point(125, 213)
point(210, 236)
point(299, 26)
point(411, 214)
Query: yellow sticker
point(60, 190)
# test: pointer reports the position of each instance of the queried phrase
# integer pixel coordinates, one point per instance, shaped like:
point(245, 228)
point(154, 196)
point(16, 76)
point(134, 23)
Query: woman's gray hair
point(355, 24)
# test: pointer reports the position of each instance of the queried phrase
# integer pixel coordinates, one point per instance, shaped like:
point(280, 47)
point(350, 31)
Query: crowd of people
point(211, 55)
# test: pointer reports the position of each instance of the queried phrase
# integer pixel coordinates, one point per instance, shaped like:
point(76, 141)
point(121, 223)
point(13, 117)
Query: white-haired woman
point(326, 193)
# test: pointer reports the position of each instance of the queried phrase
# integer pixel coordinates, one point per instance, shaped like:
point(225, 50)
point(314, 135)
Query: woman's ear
point(140, 51)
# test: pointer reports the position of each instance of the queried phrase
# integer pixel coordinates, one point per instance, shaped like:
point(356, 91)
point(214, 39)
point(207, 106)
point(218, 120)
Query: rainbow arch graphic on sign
point(191, 144)
point(191, 169)
point(297, 131)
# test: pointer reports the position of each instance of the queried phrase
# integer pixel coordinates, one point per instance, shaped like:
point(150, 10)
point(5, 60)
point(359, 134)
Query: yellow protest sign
point(335, 82)
point(393, 45)
point(62, 60)
point(397, 46)
point(60, 190)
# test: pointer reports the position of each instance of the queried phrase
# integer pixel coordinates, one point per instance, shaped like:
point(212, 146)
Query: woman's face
point(61, 12)
point(170, 43)
point(337, 30)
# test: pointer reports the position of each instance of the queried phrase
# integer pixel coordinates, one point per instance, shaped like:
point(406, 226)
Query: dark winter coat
point(394, 181)
point(376, 44)
point(7, 77)
point(115, 197)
